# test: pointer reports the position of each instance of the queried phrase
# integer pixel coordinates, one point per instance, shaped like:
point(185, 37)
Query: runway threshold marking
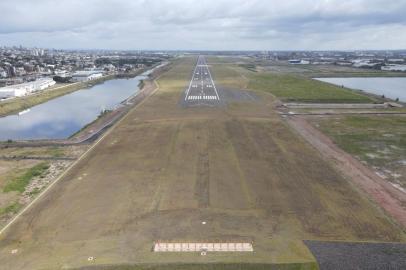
point(201, 65)
point(199, 247)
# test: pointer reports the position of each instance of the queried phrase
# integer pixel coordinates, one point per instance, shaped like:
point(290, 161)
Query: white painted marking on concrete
point(187, 92)
point(202, 73)
point(212, 82)
point(203, 247)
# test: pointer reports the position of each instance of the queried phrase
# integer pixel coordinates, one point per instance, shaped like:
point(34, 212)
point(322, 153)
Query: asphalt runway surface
point(201, 90)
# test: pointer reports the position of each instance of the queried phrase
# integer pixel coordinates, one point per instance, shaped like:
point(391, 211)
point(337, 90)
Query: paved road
point(201, 90)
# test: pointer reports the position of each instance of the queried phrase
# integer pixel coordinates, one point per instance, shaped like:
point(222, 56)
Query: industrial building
point(23, 89)
point(82, 76)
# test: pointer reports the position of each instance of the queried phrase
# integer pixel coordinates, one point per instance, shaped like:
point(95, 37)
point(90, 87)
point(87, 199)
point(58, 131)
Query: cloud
point(211, 24)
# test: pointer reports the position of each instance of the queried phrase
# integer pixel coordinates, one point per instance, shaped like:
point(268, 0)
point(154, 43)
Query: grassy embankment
point(21, 103)
point(380, 141)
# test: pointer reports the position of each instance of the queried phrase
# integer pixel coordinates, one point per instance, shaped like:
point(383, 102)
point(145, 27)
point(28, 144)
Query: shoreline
point(364, 92)
point(15, 105)
point(92, 130)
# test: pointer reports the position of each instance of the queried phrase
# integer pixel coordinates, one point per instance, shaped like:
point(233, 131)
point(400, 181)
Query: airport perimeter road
point(201, 90)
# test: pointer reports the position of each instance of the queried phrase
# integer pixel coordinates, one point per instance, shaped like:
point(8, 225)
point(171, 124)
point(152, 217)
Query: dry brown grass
point(164, 169)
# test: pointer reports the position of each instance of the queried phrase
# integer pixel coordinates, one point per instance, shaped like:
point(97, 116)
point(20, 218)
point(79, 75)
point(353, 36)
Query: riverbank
point(15, 105)
point(93, 130)
point(21, 157)
point(384, 87)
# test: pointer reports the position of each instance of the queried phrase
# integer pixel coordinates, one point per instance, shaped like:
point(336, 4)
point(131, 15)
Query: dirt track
point(381, 191)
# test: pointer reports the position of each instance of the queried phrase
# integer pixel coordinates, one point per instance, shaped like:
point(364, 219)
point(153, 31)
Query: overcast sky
point(204, 24)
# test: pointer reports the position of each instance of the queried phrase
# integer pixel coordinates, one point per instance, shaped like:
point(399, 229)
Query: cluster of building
point(381, 60)
point(22, 70)
point(19, 90)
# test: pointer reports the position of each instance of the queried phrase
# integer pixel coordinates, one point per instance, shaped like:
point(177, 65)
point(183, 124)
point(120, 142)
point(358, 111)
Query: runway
point(201, 90)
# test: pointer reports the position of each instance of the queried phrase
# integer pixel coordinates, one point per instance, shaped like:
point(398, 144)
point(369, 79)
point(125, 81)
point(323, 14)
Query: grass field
point(301, 89)
point(19, 182)
point(19, 167)
point(380, 141)
point(164, 169)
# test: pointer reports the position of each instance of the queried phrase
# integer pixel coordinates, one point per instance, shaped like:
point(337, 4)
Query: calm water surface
point(61, 117)
point(391, 87)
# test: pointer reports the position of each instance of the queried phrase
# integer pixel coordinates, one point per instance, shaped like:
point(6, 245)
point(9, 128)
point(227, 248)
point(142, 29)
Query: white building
point(7, 92)
point(82, 76)
point(23, 89)
point(3, 73)
point(394, 68)
point(299, 62)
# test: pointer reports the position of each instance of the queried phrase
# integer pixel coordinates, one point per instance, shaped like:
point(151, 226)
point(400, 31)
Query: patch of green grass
point(19, 183)
point(250, 67)
point(35, 191)
point(300, 89)
point(10, 209)
point(359, 135)
point(56, 152)
point(378, 140)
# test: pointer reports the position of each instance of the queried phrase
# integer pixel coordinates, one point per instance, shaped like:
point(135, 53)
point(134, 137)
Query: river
point(61, 117)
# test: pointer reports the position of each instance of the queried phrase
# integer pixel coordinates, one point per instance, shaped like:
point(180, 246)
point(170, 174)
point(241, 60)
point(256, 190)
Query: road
point(201, 90)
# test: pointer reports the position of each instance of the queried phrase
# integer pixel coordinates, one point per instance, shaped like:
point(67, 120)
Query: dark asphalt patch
point(235, 95)
point(359, 256)
point(226, 96)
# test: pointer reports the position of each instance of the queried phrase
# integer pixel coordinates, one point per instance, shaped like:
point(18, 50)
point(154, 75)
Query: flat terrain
point(166, 168)
point(379, 141)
